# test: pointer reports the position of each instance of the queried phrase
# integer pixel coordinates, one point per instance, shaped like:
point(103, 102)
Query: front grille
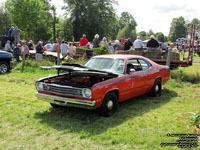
point(63, 90)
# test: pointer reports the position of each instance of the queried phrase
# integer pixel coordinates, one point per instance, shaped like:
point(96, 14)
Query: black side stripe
point(129, 77)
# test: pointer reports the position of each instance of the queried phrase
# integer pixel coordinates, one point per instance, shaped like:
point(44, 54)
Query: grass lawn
point(141, 123)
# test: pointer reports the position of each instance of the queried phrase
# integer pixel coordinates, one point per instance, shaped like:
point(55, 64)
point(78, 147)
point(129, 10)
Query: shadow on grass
point(90, 123)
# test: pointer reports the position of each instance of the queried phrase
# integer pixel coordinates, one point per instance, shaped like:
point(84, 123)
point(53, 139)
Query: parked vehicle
point(5, 62)
point(102, 82)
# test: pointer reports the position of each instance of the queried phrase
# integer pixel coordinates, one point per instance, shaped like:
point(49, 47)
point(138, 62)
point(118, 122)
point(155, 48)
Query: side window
point(133, 65)
point(144, 64)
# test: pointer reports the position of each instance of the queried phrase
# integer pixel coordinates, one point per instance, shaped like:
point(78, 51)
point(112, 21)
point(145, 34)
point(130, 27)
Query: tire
point(56, 106)
point(109, 105)
point(4, 67)
point(156, 89)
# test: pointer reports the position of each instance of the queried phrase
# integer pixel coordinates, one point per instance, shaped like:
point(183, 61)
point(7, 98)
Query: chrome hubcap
point(110, 105)
point(3, 68)
point(157, 88)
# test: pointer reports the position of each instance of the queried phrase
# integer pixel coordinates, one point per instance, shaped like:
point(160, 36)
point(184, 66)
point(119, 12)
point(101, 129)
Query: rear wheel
point(109, 105)
point(156, 89)
point(4, 67)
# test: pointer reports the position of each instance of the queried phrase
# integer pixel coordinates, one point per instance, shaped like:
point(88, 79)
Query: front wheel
point(109, 105)
point(4, 67)
point(156, 89)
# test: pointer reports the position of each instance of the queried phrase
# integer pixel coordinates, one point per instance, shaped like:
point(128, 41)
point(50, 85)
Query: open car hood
point(79, 69)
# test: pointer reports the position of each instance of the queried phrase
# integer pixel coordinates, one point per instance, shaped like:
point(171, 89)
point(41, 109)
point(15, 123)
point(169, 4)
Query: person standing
point(30, 45)
point(110, 47)
point(8, 47)
point(63, 48)
point(83, 41)
point(96, 41)
point(152, 43)
point(27, 51)
point(104, 42)
point(138, 45)
point(17, 52)
point(128, 44)
point(39, 51)
point(48, 46)
point(10, 37)
point(71, 50)
point(39, 48)
point(16, 34)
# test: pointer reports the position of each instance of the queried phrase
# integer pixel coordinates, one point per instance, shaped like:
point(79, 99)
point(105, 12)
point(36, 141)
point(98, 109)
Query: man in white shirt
point(48, 46)
point(63, 48)
point(138, 45)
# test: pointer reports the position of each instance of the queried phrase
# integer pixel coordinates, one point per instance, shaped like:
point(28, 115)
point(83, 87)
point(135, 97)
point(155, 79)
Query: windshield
point(106, 64)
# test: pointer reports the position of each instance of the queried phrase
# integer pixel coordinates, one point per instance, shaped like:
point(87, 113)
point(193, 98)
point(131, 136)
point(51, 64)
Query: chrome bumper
point(66, 101)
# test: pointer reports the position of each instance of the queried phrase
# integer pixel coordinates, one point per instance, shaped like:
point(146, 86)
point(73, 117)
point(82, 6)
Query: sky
point(151, 14)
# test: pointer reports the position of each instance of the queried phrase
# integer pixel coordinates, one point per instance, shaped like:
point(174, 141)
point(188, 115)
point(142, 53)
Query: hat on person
point(18, 45)
point(152, 37)
point(96, 36)
point(138, 37)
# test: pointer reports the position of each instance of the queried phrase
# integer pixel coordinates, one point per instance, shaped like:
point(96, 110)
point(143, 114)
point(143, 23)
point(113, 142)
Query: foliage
point(191, 75)
point(127, 19)
point(91, 17)
point(5, 20)
point(101, 50)
point(178, 29)
point(142, 35)
point(98, 51)
point(195, 118)
point(160, 37)
point(196, 21)
point(65, 29)
point(126, 32)
point(32, 16)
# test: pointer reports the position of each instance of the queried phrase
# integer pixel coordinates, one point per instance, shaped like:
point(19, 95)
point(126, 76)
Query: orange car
point(103, 82)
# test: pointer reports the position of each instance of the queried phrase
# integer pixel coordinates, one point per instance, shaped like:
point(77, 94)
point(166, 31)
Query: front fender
point(100, 92)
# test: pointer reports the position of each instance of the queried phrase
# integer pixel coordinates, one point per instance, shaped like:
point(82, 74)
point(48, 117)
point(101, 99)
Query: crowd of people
point(14, 45)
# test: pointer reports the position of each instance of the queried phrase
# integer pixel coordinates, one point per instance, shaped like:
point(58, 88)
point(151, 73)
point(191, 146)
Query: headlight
point(87, 93)
point(39, 86)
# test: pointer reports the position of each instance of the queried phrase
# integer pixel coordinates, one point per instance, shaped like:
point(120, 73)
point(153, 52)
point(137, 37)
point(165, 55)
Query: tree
point(91, 17)
point(178, 29)
point(32, 17)
point(197, 25)
point(5, 20)
point(160, 37)
point(127, 19)
point(142, 35)
point(126, 32)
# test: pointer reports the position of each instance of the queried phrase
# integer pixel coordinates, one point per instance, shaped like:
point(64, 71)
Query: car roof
point(115, 56)
point(123, 56)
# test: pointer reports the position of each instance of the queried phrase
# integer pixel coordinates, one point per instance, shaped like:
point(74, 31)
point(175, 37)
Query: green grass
point(140, 123)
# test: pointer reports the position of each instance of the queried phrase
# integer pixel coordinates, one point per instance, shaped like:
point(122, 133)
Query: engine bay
point(78, 80)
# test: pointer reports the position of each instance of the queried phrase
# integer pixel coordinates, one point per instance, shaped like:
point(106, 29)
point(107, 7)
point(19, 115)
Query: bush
point(98, 51)
point(180, 75)
point(195, 118)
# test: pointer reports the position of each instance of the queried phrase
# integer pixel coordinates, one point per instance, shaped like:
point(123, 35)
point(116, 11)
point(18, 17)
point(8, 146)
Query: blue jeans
point(17, 58)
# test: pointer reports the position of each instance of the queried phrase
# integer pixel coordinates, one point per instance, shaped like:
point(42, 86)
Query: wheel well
point(114, 91)
point(159, 78)
point(7, 61)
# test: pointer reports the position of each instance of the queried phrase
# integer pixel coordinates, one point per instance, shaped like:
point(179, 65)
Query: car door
point(137, 78)
point(149, 74)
